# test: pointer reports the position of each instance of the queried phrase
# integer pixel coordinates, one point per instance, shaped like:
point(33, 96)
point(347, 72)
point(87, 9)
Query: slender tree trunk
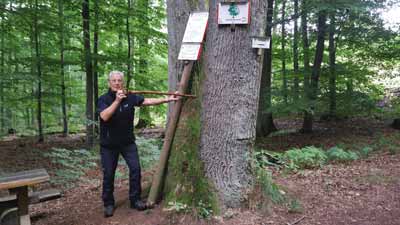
point(89, 74)
point(143, 41)
point(39, 72)
point(283, 55)
point(316, 68)
point(230, 104)
point(129, 58)
point(2, 69)
point(265, 122)
point(96, 56)
point(307, 122)
point(62, 65)
point(332, 67)
point(296, 51)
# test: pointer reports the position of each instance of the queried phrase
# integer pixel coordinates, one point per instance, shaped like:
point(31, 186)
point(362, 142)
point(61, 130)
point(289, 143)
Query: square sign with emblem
point(234, 12)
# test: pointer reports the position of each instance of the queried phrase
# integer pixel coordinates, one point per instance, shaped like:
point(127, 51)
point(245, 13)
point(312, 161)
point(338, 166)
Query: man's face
point(116, 82)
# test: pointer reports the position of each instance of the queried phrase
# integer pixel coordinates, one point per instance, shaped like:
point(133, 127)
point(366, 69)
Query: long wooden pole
point(161, 93)
point(169, 136)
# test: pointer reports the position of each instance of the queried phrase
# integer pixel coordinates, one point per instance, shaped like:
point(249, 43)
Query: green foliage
point(294, 206)
point(71, 164)
point(306, 158)
point(269, 189)
point(149, 151)
point(337, 154)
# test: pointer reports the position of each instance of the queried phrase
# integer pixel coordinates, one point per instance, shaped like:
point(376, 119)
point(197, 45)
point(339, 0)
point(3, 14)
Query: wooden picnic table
point(18, 184)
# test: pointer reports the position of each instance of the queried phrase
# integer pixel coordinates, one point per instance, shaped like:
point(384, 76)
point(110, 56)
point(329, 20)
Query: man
point(116, 110)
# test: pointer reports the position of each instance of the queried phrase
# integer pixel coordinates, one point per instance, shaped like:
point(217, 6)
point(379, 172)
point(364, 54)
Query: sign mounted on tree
point(193, 37)
point(234, 12)
point(261, 42)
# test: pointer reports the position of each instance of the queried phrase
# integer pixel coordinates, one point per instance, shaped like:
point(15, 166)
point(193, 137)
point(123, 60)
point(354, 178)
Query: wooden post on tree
point(169, 136)
point(189, 52)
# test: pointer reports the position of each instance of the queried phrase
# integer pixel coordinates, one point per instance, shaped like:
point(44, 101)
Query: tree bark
point(230, 103)
point(265, 122)
point(62, 65)
point(39, 72)
point(89, 74)
point(332, 67)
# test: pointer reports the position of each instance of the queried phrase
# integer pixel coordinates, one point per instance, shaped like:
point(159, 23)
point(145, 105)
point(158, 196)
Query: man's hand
point(119, 96)
point(173, 98)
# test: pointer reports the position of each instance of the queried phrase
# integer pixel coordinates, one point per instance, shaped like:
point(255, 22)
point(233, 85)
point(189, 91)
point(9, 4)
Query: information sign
point(196, 27)
point(234, 13)
point(190, 51)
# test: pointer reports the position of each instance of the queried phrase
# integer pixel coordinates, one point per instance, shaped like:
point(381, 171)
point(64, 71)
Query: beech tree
point(221, 122)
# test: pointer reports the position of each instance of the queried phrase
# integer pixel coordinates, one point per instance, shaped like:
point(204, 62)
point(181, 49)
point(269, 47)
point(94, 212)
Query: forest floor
point(363, 192)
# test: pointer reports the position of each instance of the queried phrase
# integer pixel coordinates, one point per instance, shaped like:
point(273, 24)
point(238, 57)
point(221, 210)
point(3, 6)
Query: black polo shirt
point(118, 130)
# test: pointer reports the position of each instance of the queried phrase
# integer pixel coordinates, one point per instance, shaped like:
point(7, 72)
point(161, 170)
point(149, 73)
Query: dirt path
point(365, 192)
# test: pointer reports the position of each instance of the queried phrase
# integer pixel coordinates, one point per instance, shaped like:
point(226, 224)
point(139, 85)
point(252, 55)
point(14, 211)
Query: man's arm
point(109, 111)
point(157, 101)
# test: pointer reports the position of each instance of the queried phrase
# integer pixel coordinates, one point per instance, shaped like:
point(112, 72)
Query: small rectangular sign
point(261, 42)
point(196, 27)
point(190, 51)
point(234, 13)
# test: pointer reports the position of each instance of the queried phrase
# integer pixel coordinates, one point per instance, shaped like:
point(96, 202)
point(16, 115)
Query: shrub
point(306, 158)
point(337, 154)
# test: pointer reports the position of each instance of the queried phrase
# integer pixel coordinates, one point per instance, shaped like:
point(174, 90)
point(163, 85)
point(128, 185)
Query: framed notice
point(234, 13)
point(261, 42)
point(196, 27)
point(190, 51)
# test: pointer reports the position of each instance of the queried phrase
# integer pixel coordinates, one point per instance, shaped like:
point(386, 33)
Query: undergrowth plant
point(72, 164)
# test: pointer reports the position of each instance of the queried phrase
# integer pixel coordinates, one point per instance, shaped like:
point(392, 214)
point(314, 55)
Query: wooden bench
point(19, 198)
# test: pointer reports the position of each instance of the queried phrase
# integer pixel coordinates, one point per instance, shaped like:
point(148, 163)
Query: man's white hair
point(114, 72)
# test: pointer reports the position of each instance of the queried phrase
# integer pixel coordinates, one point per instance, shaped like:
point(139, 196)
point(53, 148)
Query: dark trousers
point(109, 161)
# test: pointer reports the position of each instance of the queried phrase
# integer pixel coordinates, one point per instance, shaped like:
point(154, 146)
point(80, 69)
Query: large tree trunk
point(332, 67)
point(230, 103)
point(89, 74)
point(283, 54)
point(296, 51)
point(178, 13)
point(39, 72)
point(265, 122)
point(62, 65)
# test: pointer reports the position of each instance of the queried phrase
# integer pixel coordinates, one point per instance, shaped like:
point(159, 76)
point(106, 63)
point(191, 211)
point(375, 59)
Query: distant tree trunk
point(2, 69)
point(143, 42)
point(265, 122)
point(307, 122)
point(38, 71)
point(332, 67)
point(96, 57)
point(283, 55)
point(129, 58)
point(62, 65)
point(316, 68)
point(89, 74)
point(296, 51)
